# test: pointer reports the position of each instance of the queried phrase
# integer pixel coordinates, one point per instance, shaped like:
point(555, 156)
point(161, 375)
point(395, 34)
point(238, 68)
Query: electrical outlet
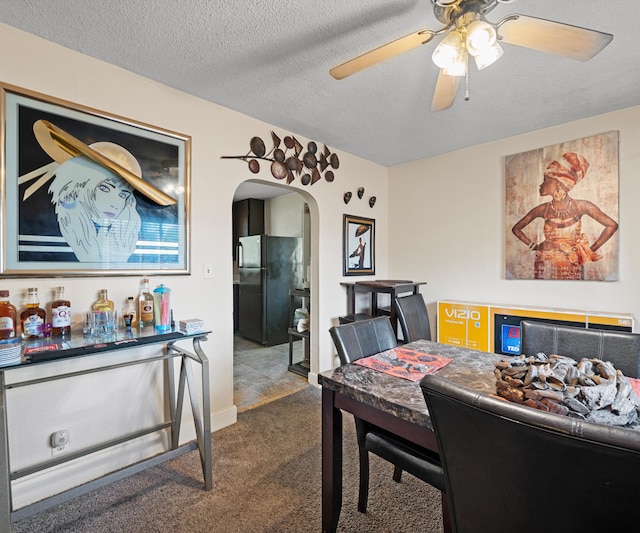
point(60, 442)
point(207, 271)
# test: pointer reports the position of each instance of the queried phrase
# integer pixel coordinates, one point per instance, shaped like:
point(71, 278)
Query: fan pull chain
point(467, 96)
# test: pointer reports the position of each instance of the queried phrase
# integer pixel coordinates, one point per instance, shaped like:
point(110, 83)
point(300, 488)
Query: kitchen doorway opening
point(271, 259)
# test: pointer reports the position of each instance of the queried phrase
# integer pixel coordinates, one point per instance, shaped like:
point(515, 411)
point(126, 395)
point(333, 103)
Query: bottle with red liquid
point(8, 316)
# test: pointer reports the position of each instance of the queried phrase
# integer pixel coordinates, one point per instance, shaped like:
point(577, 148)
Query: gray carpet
point(267, 478)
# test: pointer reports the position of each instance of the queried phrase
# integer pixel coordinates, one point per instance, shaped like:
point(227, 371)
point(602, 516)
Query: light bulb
point(489, 56)
point(480, 37)
point(459, 65)
point(446, 53)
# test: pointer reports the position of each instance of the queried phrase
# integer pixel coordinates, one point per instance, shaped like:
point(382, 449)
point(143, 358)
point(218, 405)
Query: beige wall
point(283, 215)
point(447, 223)
point(37, 65)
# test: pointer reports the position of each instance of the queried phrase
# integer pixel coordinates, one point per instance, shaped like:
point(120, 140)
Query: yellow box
point(465, 325)
point(473, 325)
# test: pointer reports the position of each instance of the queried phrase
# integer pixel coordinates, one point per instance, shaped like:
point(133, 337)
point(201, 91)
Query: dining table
point(392, 403)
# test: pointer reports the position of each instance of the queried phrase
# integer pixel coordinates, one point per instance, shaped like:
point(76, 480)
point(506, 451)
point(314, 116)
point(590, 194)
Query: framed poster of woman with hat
point(572, 234)
point(90, 193)
point(358, 245)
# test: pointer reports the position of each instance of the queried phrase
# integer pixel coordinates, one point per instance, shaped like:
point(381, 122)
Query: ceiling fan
point(469, 34)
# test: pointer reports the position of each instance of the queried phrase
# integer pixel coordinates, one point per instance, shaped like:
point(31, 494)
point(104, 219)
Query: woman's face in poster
point(548, 186)
point(111, 196)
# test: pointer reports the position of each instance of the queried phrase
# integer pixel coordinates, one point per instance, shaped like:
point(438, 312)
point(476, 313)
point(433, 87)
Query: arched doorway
point(261, 359)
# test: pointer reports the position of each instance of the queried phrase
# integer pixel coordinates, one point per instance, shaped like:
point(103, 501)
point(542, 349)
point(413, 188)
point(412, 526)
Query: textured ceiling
point(270, 59)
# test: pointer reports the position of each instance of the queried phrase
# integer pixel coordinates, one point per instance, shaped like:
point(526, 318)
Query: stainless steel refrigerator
point(269, 267)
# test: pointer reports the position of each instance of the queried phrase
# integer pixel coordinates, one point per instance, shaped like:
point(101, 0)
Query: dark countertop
point(403, 398)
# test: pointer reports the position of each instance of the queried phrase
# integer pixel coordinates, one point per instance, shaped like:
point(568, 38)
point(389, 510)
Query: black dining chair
point(621, 348)
point(509, 467)
point(413, 318)
point(362, 339)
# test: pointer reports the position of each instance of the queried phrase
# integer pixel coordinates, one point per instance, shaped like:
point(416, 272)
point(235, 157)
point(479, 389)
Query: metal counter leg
point(5, 483)
point(204, 440)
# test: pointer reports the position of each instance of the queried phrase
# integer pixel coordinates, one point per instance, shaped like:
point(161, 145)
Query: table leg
point(446, 514)
point(331, 462)
point(351, 300)
point(373, 303)
point(393, 316)
point(5, 484)
point(203, 422)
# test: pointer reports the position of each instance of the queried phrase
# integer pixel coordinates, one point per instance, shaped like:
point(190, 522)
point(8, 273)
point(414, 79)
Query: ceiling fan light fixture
point(480, 37)
point(489, 56)
point(466, 33)
point(446, 53)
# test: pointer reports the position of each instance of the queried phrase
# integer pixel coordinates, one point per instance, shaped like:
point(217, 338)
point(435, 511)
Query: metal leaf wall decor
point(291, 160)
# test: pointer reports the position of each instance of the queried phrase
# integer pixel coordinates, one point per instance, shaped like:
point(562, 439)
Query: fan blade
point(381, 53)
point(445, 91)
point(553, 37)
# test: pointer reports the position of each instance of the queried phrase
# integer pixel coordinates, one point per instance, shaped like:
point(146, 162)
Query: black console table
point(391, 287)
point(50, 351)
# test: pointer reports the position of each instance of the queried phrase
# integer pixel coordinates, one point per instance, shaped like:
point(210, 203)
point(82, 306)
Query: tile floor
point(261, 375)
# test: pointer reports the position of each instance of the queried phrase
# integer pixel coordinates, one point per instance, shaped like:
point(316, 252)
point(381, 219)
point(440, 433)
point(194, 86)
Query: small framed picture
point(87, 193)
point(358, 246)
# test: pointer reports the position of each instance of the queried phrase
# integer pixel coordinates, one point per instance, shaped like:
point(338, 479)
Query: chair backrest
point(621, 348)
point(509, 467)
point(413, 317)
point(363, 338)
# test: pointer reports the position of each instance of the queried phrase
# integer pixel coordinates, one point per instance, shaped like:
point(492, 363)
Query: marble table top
point(403, 398)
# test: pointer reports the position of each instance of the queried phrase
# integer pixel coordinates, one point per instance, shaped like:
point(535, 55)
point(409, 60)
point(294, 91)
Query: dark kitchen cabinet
point(248, 219)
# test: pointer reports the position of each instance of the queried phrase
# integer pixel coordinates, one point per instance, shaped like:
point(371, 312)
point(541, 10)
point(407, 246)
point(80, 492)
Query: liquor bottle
point(145, 305)
point(61, 314)
point(32, 318)
point(129, 314)
point(103, 303)
point(8, 316)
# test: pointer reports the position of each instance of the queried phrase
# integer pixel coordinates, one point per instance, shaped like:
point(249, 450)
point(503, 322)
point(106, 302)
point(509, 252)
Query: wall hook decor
point(291, 160)
point(347, 197)
point(360, 192)
point(372, 201)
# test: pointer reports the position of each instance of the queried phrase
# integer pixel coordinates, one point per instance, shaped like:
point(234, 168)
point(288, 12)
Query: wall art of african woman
point(562, 211)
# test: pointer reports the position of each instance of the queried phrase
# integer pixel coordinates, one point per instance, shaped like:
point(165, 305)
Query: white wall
point(37, 65)
point(447, 224)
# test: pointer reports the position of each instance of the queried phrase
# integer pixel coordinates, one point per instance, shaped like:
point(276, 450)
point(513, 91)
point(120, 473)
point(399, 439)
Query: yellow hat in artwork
point(62, 146)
